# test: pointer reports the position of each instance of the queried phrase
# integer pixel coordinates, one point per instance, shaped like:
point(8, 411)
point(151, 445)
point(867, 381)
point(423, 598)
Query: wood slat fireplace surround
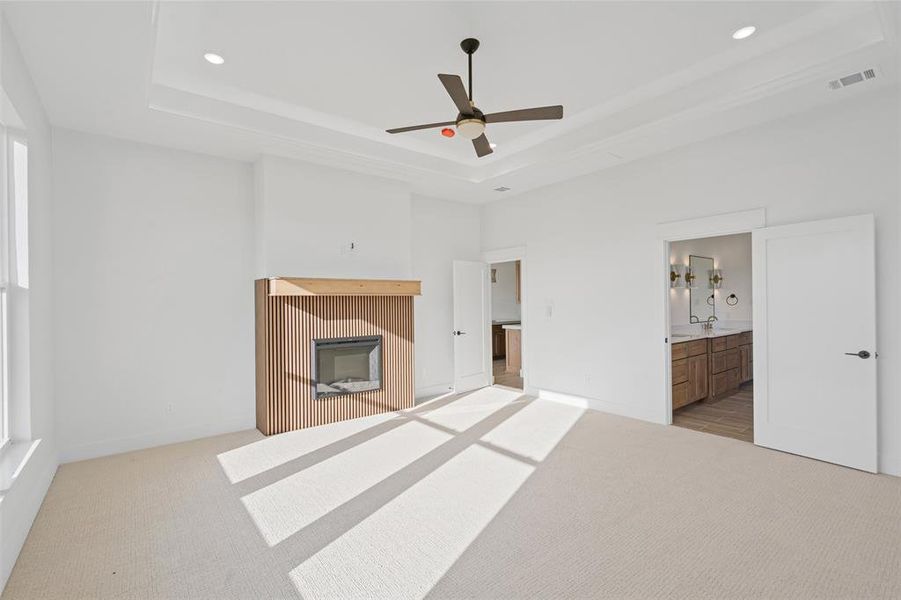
point(292, 312)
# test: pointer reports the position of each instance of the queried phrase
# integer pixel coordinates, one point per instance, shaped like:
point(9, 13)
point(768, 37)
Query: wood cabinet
point(731, 359)
point(711, 367)
point(514, 350)
point(498, 342)
point(680, 395)
point(697, 378)
point(747, 363)
point(689, 372)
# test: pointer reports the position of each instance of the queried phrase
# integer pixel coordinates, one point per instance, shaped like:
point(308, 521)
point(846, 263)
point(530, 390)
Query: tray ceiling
point(321, 81)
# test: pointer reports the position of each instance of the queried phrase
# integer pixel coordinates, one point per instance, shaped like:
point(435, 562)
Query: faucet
point(708, 325)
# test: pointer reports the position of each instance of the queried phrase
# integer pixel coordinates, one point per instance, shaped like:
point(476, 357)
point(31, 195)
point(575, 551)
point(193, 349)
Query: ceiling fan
point(471, 121)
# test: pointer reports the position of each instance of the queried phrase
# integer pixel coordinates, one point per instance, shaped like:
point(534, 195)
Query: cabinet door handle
point(862, 354)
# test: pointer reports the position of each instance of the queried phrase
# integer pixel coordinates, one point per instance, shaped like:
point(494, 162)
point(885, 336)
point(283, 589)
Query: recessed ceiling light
point(213, 59)
point(744, 32)
point(493, 145)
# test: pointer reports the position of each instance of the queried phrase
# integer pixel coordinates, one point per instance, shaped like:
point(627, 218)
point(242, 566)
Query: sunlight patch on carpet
point(290, 504)
point(261, 456)
point(403, 549)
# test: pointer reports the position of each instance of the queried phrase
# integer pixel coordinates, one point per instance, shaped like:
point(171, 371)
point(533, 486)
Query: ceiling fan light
point(470, 128)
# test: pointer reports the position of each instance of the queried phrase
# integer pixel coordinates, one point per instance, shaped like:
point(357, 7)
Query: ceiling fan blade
point(415, 127)
point(454, 86)
point(543, 113)
point(483, 148)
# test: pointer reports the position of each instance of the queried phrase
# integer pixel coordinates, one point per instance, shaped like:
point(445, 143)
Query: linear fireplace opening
point(347, 365)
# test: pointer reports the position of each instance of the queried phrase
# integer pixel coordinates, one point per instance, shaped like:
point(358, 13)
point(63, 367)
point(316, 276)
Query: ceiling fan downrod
point(470, 45)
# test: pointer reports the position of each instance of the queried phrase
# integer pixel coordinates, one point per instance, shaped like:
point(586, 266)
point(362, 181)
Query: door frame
point(509, 255)
point(677, 231)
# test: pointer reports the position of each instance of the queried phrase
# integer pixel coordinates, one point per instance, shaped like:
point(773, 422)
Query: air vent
point(502, 189)
point(841, 82)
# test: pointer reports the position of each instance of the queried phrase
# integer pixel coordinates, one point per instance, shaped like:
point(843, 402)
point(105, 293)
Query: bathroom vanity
point(710, 366)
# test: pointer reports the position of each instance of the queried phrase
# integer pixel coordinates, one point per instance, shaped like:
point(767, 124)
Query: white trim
point(725, 224)
point(429, 392)
point(504, 254)
point(151, 440)
point(674, 231)
point(890, 465)
point(605, 406)
point(511, 254)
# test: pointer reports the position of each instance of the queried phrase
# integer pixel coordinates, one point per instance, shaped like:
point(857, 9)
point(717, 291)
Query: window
point(13, 254)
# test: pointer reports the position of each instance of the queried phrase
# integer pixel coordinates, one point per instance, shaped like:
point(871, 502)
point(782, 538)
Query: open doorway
point(711, 335)
point(506, 323)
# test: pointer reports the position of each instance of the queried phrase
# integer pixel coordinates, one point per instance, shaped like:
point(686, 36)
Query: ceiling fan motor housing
point(471, 126)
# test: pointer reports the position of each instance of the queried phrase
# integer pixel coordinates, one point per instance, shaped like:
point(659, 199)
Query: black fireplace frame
point(314, 374)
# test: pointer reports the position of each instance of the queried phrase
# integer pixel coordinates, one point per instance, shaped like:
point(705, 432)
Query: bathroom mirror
point(702, 302)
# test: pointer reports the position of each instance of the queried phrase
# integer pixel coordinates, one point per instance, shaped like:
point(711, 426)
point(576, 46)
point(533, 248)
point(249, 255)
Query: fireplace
point(346, 366)
point(332, 349)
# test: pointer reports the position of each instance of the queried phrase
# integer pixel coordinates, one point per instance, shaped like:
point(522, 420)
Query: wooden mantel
point(305, 286)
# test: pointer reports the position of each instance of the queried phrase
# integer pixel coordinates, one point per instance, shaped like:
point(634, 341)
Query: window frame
point(5, 233)
point(9, 263)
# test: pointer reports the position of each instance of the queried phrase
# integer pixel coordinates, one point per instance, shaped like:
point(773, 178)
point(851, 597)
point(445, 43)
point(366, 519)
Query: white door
point(472, 365)
point(815, 340)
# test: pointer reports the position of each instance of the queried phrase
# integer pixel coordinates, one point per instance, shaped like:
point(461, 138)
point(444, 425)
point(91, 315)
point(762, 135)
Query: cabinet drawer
point(718, 344)
point(733, 358)
point(745, 338)
point(680, 351)
point(680, 371)
point(726, 381)
point(723, 361)
point(697, 347)
point(680, 395)
point(732, 341)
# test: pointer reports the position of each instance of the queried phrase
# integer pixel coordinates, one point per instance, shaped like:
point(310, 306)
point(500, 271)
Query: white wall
point(156, 251)
point(442, 232)
point(23, 485)
point(309, 215)
point(835, 161)
point(504, 306)
point(153, 266)
point(731, 254)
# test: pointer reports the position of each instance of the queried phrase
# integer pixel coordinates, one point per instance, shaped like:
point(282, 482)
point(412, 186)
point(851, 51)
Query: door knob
point(861, 354)
point(459, 332)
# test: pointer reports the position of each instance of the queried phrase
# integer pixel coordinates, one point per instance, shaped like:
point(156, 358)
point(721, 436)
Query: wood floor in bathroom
point(730, 417)
point(501, 377)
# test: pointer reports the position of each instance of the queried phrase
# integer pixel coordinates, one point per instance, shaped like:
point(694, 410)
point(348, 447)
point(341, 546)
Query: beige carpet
point(487, 495)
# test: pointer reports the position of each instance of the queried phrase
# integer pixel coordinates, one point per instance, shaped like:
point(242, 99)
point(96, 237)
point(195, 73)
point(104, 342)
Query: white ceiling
point(321, 81)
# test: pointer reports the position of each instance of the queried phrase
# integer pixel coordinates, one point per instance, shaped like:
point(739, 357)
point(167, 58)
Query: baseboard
point(150, 440)
point(890, 465)
point(431, 391)
point(623, 410)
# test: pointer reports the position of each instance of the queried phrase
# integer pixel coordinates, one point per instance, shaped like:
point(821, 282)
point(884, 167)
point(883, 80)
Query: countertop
point(506, 322)
point(678, 338)
point(515, 326)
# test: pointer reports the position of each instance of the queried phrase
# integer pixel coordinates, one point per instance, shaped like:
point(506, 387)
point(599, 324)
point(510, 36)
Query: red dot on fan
point(448, 132)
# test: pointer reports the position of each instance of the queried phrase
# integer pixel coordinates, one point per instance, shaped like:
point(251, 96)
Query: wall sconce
point(677, 276)
point(716, 279)
point(690, 278)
